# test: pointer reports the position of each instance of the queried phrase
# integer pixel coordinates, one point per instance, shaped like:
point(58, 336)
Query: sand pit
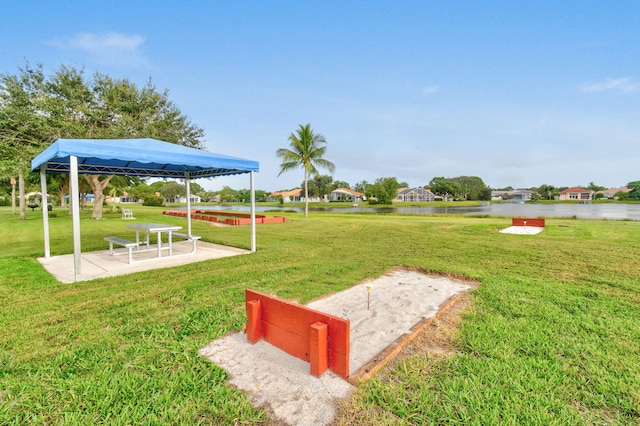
point(272, 379)
point(522, 230)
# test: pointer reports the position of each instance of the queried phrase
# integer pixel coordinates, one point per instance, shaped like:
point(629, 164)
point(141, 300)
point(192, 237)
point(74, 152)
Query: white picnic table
point(159, 229)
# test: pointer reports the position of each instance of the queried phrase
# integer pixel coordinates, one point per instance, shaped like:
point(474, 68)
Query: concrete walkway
point(100, 264)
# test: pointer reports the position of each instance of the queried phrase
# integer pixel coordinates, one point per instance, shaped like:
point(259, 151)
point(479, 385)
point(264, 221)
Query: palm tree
point(306, 150)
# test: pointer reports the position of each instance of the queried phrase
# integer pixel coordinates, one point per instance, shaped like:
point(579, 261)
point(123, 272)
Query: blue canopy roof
point(139, 157)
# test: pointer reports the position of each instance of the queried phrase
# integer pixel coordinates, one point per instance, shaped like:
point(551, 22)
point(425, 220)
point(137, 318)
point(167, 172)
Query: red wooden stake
point(254, 321)
point(318, 348)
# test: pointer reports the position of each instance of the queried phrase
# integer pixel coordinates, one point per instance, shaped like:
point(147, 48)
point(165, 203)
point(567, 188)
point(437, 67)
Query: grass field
point(552, 335)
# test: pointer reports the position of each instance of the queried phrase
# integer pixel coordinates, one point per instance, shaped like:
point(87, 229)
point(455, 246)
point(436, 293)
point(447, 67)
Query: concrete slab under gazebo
point(101, 264)
point(133, 157)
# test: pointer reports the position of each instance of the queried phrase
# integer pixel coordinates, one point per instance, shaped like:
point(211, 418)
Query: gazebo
point(133, 157)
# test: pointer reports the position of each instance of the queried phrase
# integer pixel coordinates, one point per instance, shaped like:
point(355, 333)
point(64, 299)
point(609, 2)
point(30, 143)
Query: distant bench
point(129, 245)
point(127, 213)
point(192, 238)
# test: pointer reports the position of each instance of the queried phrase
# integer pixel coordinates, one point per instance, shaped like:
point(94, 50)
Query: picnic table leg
point(170, 247)
point(159, 244)
point(137, 239)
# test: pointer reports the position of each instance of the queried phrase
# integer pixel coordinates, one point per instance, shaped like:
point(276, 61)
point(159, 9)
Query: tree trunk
point(306, 193)
point(64, 190)
point(23, 207)
point(13, 195)
point(63, 202)
point(97, 186)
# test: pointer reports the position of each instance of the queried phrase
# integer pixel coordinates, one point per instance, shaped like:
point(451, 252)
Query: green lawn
point(552, 335)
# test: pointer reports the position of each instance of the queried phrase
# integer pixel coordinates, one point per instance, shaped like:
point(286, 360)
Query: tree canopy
point(384, 190)
point(320, 185)
point(462, 187)
point(36, 109)
point(595, 188)
point(363, 187)
point(340, 184)
point(635, 190)
point(547, 192)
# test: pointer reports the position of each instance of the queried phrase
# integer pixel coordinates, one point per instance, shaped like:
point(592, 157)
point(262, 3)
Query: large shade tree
point(21, 126)
point(461, 187)
point(635, 190)
point(36, 109)
point(384, 190)
point(320, 186)
point(306, 150)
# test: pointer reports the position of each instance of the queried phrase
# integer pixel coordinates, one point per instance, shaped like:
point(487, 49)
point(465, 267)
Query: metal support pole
point(253, 214)
point(45, 209)
point(75, 214)
point(187, 181)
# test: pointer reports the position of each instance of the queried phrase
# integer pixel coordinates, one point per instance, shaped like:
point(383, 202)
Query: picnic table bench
point(129, 245)
point(192, 238)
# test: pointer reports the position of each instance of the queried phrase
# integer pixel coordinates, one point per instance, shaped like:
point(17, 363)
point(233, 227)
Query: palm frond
point(326, 164)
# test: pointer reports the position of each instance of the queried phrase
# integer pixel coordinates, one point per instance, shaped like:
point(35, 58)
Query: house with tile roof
point(344, 194)
point(182, 199)
point(293, 196)
point(611, 192)
point(517, 195)
point(576, 193)
point(414, 195)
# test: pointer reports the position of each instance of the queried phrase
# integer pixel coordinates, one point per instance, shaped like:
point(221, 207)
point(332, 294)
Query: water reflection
point(582, 211)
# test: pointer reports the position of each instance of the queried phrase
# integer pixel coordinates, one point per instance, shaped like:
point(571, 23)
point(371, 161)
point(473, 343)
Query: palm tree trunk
point(306, 193)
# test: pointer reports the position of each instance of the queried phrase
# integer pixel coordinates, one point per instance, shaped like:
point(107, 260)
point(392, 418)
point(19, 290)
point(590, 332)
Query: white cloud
point(430, 89)
point(110, 41)
point(110, 48)
point(624, 85)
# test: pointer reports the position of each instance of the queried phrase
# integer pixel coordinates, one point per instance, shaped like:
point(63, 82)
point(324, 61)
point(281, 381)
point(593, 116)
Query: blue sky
point(516, 93)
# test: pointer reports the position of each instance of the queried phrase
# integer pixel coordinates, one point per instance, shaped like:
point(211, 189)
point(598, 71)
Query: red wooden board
point(524, 221)
point(286, 325)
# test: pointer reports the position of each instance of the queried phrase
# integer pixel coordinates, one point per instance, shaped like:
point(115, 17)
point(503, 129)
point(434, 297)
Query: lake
point(582, 211)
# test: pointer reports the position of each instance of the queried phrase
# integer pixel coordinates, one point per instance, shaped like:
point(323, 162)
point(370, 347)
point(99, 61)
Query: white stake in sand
point(369, 287)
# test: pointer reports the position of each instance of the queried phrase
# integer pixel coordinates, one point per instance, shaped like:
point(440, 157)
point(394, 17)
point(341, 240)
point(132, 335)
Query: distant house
point(513, 195)
point(576, 193)
point(414, 195)
point(344, 194)
point(499, 195)
point(126, 198)
point(611, 192)
point(292, 196)
point(181, 199)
